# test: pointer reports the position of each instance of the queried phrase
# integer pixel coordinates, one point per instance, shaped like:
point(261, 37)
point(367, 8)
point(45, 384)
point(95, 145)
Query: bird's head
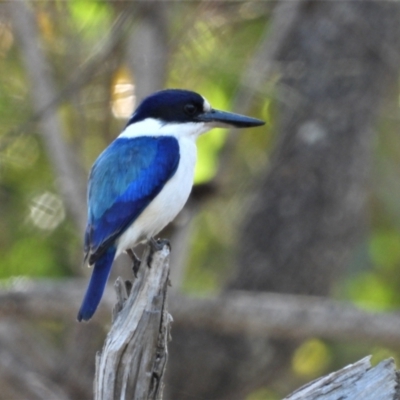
point(181, 113)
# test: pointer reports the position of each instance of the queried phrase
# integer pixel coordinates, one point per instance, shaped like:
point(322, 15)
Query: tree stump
point(133, 360)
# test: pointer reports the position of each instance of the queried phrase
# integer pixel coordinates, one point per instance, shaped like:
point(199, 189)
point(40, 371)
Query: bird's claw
point(136, 261)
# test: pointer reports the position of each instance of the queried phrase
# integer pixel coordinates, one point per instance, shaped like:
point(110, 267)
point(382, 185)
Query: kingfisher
point(142, 180)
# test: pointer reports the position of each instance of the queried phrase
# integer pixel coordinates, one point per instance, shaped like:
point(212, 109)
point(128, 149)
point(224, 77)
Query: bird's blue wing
point(126, 177)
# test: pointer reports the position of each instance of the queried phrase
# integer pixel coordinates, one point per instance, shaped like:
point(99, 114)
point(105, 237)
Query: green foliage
point(311, 359)
point(210, 46)
point(209, 258)
point(263, 394)
point(370, 291)
point(29, 256)
point(376, 288)
point(89, 19)
point(382, 353)
point(208, 148)
point(71, 32)
point(384, 249)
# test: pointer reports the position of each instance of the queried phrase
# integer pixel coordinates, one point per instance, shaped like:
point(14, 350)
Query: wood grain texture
point(358, 381)
point(132, 362)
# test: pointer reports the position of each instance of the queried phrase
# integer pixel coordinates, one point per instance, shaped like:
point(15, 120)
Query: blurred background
point(307, 204)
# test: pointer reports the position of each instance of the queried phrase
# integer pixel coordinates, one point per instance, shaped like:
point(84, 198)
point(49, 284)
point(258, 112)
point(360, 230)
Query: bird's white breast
point(168, 203)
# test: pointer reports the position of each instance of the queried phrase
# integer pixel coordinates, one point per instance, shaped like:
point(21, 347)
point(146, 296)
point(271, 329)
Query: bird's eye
point(190, 109)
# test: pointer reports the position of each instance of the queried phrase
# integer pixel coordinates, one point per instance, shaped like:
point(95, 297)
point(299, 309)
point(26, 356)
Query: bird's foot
point(156, 245)
point(136, 261)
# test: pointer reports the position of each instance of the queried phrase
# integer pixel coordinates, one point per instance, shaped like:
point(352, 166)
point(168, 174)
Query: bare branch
point(134, 356)
point(286, 316)
point(261, 314)
point(83, 74)
point(68, 172)
point(147, 49)
point(355, 381)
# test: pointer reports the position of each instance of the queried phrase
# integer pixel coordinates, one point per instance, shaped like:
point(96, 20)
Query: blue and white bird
point(142, 180)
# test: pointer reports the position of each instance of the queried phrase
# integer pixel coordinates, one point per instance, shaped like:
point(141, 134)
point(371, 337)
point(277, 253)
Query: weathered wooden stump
point(132, 362)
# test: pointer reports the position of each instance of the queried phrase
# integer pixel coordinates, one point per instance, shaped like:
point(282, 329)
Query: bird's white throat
point(155, 127)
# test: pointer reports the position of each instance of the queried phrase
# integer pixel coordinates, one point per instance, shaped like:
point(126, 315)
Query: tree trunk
point(308, 208)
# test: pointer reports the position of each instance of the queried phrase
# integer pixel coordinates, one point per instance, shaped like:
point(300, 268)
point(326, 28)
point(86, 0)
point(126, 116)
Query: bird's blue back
point(126, 177)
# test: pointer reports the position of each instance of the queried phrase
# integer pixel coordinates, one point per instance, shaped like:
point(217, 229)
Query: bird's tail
point(94, 292)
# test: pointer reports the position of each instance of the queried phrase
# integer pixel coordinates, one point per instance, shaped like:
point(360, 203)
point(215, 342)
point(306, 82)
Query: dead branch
point(258, 314)
point(132, 362)
point(356, 381)
point(286, 316)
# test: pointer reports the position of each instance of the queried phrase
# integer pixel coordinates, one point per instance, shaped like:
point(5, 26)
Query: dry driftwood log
point(356, 381)
point(132, 362)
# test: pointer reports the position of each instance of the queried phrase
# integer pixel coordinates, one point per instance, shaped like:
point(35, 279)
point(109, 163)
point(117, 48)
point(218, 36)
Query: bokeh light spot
point(22, 152)
point(123, 97)
point(47, 211)
point(311, 358)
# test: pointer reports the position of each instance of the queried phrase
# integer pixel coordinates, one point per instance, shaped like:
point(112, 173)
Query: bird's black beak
point(223, 119)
